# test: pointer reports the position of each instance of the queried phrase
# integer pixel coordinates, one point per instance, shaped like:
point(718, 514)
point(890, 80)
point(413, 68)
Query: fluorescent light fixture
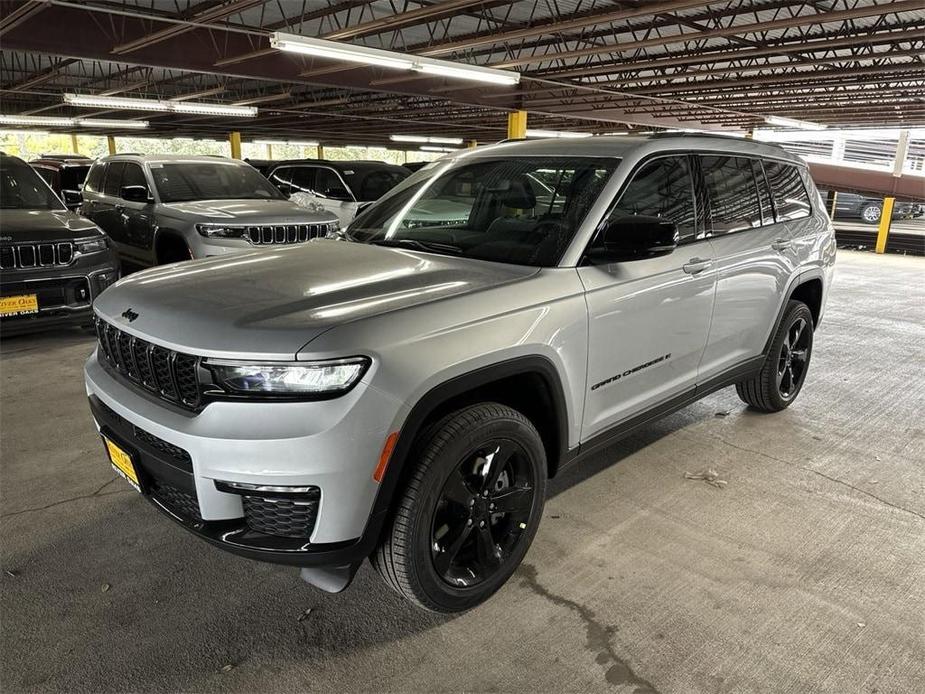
point(618, 132)
point(53, 122)
point(294, 143)
point(212, 109)
point(791, 123)
point(476, 73)
point(292, 43)
point(427, 138)
point(432, 148)
point(127, 103)
point(555, 133)
point(334, 50)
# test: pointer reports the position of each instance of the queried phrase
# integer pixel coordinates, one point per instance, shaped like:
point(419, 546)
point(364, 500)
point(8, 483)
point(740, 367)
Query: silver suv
point(165, 208)
point(404, 393)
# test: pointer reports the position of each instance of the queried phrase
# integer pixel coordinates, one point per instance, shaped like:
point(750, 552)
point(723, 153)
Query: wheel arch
point(530, 384)
point(162, 238)
point(808, 287)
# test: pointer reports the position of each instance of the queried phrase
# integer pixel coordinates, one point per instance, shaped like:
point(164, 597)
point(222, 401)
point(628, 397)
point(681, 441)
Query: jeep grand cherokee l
point(53, 262)
point(165, 208)
point(405, 393)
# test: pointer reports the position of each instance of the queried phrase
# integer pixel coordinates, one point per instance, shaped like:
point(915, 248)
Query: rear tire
point(784, 371)
point(871, 213)
point(469, 511)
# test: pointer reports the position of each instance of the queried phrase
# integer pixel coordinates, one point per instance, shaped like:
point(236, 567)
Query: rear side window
point(662, 188)
point(732, 193)
point(791, 201)
point(95, 178)
point(113, 183)
point(47, 174)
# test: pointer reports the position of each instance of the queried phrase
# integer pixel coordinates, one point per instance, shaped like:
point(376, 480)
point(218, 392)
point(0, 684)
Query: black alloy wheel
point(482, 513)
point(786, 364)
point(468, 510)
point(793, 358)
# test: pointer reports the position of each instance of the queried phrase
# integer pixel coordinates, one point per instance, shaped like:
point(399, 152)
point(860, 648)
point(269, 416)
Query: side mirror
point(135, 193)
point(634, 238)
point(72, 198)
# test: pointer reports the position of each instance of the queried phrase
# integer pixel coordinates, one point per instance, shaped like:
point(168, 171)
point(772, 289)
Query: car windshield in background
point(206, 180)
point(520, 210)
point(21, 188)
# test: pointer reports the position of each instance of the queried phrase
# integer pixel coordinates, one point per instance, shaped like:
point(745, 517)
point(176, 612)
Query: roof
point(338, 164)
point(155, 158)
point(621, 145)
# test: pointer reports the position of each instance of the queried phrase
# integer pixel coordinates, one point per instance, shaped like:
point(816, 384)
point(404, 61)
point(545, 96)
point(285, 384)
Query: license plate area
point(122, 462)
point(19, 305)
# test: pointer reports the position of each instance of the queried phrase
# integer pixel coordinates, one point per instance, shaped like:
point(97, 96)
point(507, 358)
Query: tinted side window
point(662, 188)
point(113, 183)
point(302, 179)
point(280, 179)
point(791, 201)
point(47, 174)
point(732, 193)
point(329, 185)
point(95, 178)
point(133, 175)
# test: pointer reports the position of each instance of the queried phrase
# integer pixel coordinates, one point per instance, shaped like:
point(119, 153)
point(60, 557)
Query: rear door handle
point(781, 244)
point(697, 265)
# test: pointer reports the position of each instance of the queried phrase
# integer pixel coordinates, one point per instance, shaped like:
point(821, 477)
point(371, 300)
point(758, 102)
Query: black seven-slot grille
point(173, 376)
point(26, 255)
point(286, 233)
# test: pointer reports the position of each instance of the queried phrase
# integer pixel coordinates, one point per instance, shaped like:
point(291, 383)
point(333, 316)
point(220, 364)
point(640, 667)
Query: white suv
point(404, 393)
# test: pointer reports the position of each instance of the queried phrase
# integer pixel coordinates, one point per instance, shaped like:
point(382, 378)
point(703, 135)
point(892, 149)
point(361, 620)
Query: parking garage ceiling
point(587, 65)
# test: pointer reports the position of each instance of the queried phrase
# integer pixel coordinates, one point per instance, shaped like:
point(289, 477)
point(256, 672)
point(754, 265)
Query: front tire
point(470, 509)
point(784, 370)
point(871, 213)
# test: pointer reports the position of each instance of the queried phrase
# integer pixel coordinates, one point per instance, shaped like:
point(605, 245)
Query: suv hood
point(244, 212)
point(268, 303)
point(20, 226)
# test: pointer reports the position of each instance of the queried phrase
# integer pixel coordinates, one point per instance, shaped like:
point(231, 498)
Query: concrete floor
point(805, 574)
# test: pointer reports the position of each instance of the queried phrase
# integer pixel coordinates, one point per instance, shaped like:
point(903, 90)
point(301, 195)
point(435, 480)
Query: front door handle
point(781, 244)
point(697, 265)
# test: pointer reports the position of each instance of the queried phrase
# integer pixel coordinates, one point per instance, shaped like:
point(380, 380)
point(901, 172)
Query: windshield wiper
point(434, 246)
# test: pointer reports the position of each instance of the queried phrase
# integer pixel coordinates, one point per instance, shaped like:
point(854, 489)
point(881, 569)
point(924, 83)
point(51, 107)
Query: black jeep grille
point(173, 376)
point(282, 517)
point(287, 233)
point(29, 255)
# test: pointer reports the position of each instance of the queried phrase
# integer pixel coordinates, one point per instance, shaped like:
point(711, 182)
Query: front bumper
point(65, 293)
point(278, 444)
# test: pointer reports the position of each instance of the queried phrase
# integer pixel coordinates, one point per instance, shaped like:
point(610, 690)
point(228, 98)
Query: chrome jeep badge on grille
point(129, 315)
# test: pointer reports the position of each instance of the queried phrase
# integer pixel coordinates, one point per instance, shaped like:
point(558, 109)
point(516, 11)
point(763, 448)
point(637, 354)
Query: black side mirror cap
point(135, 193)
point(635, 237)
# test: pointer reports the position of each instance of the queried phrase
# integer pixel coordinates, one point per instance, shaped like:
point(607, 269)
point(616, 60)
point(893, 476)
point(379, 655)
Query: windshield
point(206, 180)
point(520, 210)
point(21, 188)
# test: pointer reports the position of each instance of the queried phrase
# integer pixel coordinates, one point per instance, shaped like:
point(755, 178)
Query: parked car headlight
point(93, 245)
point(329, 377)
point(220, 231)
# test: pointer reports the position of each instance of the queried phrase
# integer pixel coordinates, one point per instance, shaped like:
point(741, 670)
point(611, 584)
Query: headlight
point(332, 377)
point(91, 245)
point(219, 231)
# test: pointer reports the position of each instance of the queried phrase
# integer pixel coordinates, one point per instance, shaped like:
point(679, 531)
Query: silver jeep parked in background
point(164, 208)
point(404, 394)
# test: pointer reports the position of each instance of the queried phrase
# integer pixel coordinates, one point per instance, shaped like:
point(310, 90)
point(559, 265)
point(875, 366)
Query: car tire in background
point(469, 510)
point(870, 213)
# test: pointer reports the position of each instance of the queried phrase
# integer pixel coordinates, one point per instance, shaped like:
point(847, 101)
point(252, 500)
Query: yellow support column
point(74, 148)
point(472, 144)
point(111, 142)
point(269, 151)
point(319, 154)
point(234, 139)
point(886, 217)
point(517, 125)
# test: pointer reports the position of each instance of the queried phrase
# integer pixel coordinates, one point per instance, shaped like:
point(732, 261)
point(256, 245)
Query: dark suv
point(54, 262)
point(65, 173)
